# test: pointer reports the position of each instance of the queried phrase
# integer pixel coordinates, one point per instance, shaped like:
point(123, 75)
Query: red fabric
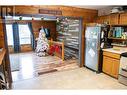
point(54, 48)
point(57, 49)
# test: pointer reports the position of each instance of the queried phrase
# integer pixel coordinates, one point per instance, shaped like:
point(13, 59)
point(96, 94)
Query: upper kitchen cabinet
point(102, 19)
point(114, 19)
point(123, 19)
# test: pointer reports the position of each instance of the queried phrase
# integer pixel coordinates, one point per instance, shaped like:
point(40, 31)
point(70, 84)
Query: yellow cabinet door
point(114, 19)
point(123, 18)
point(102, 19)
point(115, 68)
point(107, 65)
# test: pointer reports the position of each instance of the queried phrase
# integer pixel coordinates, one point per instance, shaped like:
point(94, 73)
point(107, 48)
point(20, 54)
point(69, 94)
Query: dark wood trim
point(81, 36)
point(7, 60)
point(50, 11)
point(46, 16)
point(83, 47)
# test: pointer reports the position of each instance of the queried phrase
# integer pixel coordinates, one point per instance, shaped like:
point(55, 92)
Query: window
point(24, 34)
point(9, 31)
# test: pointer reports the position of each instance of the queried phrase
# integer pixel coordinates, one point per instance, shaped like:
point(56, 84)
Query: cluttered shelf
point(118, 33)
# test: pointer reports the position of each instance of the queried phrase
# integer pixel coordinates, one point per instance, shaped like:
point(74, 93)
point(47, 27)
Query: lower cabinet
point(107, 64)
point(115, 68)
point(111, 66)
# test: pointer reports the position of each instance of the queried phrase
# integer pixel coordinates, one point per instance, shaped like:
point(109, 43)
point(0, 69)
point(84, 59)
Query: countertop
point(115, 50)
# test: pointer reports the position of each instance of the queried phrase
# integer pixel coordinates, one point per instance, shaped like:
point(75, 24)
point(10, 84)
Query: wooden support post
point(63, 51)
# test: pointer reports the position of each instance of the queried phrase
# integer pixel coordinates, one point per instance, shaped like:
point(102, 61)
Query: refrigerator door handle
point(98, 46)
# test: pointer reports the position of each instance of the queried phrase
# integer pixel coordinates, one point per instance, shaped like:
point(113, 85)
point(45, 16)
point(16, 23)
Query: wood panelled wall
point(87, 14)
point(46, 24)
point(2, 44)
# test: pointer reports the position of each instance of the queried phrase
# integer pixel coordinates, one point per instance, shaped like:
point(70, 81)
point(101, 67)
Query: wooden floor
point(32, 66)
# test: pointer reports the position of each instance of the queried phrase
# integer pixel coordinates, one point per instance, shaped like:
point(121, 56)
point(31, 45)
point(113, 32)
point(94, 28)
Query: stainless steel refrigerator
point(95, 40)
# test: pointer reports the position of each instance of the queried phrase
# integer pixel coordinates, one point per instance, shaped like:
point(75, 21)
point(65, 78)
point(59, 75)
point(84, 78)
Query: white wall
point(104, 11)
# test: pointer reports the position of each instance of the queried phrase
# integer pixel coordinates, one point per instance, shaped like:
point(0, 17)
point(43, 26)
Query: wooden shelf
point(118, 25)
point(117, 39)
point(119, 45)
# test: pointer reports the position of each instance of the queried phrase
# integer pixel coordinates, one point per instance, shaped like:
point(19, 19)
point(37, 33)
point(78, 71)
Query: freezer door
point(91, 54)
point(92, 32)
point(92, 47)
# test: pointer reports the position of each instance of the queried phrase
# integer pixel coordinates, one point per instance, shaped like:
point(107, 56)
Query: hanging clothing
point(16, 37)
point(32, 35)
point(51, 50)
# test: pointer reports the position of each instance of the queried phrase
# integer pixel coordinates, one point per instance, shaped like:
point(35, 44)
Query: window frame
point(19, 33)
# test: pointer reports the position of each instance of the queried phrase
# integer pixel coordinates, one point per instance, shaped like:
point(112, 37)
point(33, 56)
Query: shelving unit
point(68, 32)
point(117, 36)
